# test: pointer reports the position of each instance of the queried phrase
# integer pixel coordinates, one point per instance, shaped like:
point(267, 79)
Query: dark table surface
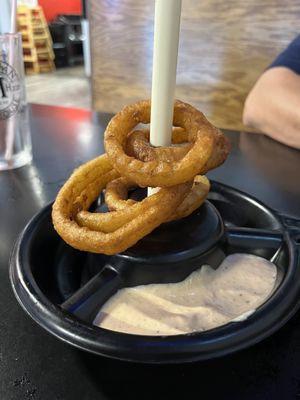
point(35, 365)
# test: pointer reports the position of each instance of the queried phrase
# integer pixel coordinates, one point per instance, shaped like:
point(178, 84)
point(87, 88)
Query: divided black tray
point(45, 273)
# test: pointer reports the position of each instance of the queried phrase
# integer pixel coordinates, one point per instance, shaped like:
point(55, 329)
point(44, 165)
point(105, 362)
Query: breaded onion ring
point(193, 200)
point(117, 192)
point(138, 146)
point(157, 173)
point(131, 161)
point(113, 232)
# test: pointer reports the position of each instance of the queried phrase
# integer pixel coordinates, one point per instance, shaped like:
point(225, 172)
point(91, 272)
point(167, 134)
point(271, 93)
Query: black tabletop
point(35, 365)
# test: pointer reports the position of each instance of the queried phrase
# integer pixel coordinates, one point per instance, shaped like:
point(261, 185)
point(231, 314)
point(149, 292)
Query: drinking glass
point(15, 138)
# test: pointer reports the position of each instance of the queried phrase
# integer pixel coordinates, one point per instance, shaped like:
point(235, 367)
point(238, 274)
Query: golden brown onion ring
point(138, 146)
point(132, 161)
point(117, 192)
point(157, 173)
point(82, 189)
point(193, 200)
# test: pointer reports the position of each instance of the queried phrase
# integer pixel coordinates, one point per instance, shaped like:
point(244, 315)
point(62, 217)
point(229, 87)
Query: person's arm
point(273, 106)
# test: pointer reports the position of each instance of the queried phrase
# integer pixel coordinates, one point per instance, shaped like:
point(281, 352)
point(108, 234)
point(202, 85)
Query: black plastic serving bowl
point(62, 289)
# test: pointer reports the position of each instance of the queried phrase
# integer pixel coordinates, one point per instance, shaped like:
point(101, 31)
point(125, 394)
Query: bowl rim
point(220, 341)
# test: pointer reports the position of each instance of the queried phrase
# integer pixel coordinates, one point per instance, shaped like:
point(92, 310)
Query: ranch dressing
point(206, 299)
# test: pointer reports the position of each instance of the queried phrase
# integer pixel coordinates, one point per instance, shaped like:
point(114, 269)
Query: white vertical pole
point(166, 38)
point(165, 52)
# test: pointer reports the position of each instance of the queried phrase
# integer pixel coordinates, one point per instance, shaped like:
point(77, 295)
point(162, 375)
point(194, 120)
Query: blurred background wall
point(51, 9)
point(224, 46)
point(54, 7)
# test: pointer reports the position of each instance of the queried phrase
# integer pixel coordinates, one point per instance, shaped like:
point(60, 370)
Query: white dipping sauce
point(206, 299)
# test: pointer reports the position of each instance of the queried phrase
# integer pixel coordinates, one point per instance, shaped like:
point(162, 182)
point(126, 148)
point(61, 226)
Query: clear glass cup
point(15, 138)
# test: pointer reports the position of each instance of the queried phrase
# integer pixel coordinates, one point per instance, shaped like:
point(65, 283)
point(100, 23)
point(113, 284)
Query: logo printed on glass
point(10, 91)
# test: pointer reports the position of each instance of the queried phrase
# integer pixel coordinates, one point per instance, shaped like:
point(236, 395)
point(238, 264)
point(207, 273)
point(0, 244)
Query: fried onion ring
point(116, 194)
point(113, 232)
point(193, 200)
point(117, 191)
point(138, 146)
point(130, 162)
point(157, 173)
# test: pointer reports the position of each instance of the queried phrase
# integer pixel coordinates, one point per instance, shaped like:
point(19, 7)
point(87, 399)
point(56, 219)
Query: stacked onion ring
point(130, 161)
